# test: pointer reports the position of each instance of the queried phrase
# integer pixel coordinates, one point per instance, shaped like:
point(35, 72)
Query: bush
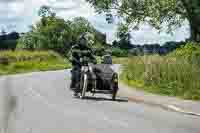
point(119, 52)
point(175, 75)
point(190, 52)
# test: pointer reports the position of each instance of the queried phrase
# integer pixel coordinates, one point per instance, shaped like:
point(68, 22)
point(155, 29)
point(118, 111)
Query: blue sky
point(19, 14)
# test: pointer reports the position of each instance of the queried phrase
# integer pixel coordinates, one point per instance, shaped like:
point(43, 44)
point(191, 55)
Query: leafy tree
point(124, 38)
point(45, 12)
point(119, 52)
point(115, 43)
point(51, 32)
point(154, 12)
point(81, 25)
point(55, 33)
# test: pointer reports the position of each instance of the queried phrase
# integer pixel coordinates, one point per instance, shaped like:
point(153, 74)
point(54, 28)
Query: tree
point(45, 12)
point(125, 37)
point(154, 12)
point(58, 34)
point(115, 43)
point(55, 33)
point(81, 25)
point(51, 32)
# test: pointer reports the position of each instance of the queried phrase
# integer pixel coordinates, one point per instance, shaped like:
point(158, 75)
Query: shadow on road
point(94, 98)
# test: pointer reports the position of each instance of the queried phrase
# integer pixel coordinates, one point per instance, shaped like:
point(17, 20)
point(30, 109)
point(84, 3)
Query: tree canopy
point(53, 32)
point(154, 12)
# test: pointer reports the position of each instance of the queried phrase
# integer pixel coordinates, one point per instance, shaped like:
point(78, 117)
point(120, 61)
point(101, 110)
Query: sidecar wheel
point(114, 91)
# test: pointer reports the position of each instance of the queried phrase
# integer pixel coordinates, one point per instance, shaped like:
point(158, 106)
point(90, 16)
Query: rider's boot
point(72, 85)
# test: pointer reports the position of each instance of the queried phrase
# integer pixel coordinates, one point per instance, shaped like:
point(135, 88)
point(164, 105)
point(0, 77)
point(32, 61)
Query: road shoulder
point(169, 103)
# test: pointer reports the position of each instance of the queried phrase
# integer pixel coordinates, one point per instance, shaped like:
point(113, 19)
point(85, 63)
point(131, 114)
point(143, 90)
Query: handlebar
point(86, 62)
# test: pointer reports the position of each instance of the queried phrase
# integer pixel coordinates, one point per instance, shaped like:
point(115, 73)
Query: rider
point(79, 51)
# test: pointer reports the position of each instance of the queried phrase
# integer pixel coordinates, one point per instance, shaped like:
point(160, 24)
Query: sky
point(18, 15)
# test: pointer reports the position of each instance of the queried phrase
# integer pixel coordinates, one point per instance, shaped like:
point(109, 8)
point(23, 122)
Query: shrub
point(119, 52)
point(190, 52)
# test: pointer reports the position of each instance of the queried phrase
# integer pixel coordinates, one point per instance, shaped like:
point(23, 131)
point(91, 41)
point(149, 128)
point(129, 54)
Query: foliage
point(124, 38)
point(54, 35)
point(176, 74)
point(53, 32)
point(28, 61)
point(81, 25)
point(189, 52)
point(119, 52)
point(154, 12)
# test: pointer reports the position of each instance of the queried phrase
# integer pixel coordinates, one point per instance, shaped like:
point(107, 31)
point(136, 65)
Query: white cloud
point(23, 13)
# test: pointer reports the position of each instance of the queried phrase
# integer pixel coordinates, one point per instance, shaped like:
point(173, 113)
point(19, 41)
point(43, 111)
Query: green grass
point(120, 60)
point(171, 75)
point(27, 61)
point(24, 55)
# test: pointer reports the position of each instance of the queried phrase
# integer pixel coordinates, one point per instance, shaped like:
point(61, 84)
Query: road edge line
point(177, 109)
point(163, 106)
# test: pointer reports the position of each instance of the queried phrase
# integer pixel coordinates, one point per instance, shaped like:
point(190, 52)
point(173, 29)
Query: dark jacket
point(78, 52)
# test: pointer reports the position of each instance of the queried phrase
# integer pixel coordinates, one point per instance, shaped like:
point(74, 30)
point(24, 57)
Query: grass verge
point(171, 75)
point(30, 61)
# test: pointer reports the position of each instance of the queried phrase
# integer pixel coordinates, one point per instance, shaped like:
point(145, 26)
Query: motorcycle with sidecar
point(98, 78)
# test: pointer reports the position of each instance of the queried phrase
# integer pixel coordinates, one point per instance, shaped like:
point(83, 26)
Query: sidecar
point(106, 77)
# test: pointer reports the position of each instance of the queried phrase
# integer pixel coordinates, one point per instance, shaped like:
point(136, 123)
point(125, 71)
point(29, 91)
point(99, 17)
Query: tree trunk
point(193, 14)
point(194, 31)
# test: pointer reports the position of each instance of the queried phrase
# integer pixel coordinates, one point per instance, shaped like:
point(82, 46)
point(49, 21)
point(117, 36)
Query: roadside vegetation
point(23, 61)
point(176, 74)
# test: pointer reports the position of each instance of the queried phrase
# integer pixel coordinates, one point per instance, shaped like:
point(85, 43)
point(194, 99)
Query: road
point(42, 103)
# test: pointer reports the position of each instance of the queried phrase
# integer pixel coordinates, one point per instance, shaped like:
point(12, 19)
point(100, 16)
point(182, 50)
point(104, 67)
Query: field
point(30, 61)
point(177, 74)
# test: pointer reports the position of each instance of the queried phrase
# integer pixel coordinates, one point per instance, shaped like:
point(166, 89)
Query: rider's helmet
point(86, 39)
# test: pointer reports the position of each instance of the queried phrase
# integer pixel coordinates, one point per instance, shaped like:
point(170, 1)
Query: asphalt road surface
point(43, 103)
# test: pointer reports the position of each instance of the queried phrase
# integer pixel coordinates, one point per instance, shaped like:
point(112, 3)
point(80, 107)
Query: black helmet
point(87, 37)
